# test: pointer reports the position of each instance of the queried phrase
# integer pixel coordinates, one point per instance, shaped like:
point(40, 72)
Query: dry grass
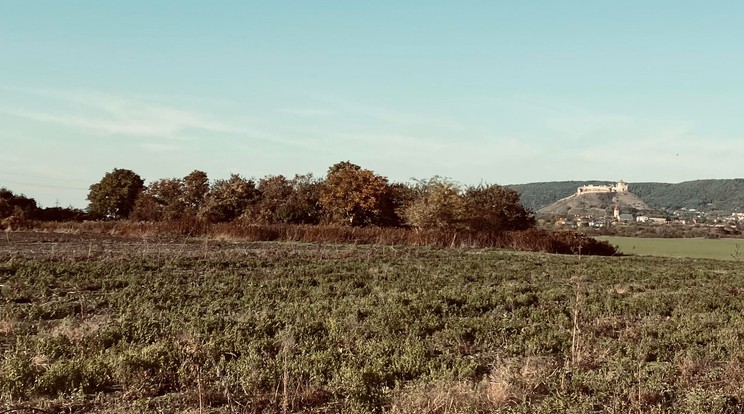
point(7, 326)
point(691, 368)
point(510, 382)
point(76, 330)
point(453, 397)
point(527, 240)
point(40, 361)
point(733, 374)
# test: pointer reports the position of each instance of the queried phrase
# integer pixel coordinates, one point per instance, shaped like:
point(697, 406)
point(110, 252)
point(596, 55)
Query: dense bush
point(15, 205)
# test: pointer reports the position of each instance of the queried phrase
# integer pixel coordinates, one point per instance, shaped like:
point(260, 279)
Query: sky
point(503, 92)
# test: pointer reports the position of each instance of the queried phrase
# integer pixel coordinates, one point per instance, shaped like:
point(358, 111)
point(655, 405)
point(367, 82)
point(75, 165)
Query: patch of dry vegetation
point(510, 383)
point(525, 240)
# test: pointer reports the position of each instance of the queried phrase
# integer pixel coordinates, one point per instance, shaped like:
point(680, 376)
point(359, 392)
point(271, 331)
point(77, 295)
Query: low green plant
point(290, 327)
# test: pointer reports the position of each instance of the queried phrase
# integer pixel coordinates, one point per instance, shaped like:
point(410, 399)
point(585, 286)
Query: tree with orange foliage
point(354, 196)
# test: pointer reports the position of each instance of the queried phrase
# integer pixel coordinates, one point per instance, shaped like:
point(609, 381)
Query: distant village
point(625, 216)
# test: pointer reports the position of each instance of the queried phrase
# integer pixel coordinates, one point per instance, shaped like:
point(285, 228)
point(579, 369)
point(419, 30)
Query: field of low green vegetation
point(95, 323)
point(722, 249)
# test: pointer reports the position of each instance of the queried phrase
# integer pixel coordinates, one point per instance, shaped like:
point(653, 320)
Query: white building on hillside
point(619, 187)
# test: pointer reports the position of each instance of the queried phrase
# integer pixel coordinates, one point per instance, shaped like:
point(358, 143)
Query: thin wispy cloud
point(308, 112)
point(134, 125)
point(105, 114)
point(396, 142)
point(572, 124)
point(400, 118)
point(160, 148)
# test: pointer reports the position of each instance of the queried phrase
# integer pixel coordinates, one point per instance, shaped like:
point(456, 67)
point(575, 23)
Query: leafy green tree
point(169, 193)
point(16, 205)
point(438, 204)
point(354, 196)
point(115, 195)
point(229, 199)
point(147, 208)
point(275, 191)
point(60, 214)
point(195, 189)
point(398, 197)
point(303, 205)
point(282, 200)
point(495, 208)
point(172, 198)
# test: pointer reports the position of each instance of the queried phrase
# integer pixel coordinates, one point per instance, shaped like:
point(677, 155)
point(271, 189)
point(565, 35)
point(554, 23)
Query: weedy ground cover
point(723, 249)
point(104, 324)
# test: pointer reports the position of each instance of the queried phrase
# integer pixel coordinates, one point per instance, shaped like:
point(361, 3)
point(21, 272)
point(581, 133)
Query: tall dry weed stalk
point(640, 400)
point(736, 255)
point(577, 281)
point(288, 343)
point(201, 389)
point(576, 330)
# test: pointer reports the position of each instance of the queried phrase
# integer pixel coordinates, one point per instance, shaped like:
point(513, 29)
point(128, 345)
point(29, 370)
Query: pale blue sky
point(494, 91)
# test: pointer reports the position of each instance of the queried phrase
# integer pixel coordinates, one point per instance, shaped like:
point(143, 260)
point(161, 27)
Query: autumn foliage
point(354, 196)
point(349, 204)
point(348, 195)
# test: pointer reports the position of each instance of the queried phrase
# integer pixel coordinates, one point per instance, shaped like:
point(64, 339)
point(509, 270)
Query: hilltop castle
point(619, 187)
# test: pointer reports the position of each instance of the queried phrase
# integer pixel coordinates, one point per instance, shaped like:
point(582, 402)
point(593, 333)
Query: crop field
point(104, 324)
point(724, 249)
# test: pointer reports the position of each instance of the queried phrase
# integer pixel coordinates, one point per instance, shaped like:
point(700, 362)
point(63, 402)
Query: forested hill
point(704, 195)
point(538, 195)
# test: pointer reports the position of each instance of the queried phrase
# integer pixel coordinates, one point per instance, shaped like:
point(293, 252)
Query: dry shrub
point(77, 330)
point(305, 397)
point(190, 227)
point(40, 361)
point(535, 240)
point(74, 227)
point(7, 326)
point(563, 242)
point(621, 288)
point(446, 398)
point(691, 368)
point(734, 376)
point(14, 223)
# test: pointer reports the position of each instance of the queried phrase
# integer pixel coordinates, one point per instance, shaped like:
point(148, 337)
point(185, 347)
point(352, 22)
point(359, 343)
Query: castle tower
point(620, 187)
point(616, 212)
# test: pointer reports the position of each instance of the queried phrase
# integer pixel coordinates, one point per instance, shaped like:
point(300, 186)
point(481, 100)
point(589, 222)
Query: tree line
point(15, 208)
point(348, 195)
point(438, 210)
